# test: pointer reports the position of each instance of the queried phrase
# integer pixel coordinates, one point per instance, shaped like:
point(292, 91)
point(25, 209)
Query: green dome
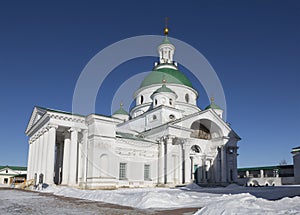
point(169, 75)
point(121, 111)
point(213, 106)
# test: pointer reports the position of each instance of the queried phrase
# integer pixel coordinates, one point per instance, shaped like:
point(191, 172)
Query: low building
point(266, 175)
point(296, 159)
point(12, 175)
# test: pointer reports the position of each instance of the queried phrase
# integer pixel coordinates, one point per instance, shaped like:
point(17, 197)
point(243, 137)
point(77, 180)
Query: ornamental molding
point(69, 118)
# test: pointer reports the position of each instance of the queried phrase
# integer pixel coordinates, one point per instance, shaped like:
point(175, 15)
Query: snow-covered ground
point(229, 200)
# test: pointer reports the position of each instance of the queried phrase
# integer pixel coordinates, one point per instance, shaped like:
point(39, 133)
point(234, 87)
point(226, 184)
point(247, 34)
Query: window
point(187, 98)
point(6, 171)
point(146, 172)
point(170, 101)
point(154, 117)
point(122, 171)
point(155, 101)
point(142, 99)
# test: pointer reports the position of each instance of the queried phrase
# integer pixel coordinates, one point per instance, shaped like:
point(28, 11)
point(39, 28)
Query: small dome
point(213, 105)
point(121, 111)
point(172, 76)
point(163, 89)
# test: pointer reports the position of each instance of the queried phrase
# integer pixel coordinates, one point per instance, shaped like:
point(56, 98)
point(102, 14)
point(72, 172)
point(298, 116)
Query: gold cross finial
point(166, 30)
point(121, 105)
point(212, 99)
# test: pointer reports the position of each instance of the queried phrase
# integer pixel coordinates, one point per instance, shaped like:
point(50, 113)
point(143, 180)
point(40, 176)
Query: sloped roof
point(16, 168)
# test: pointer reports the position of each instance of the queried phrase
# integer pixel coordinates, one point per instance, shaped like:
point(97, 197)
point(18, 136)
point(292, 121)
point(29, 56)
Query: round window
point(172, 116)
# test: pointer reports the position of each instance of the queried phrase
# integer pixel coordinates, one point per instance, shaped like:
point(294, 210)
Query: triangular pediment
point(8, 171)
point(36, 115)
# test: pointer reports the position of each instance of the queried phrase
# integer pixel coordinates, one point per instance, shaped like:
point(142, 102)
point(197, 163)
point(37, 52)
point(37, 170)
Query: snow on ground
point(229, 200)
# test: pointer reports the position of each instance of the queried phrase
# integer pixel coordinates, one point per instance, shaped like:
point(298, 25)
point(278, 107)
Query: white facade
point(166, 141)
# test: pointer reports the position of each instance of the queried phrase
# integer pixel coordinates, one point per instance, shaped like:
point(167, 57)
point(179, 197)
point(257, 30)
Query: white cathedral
point(165, 140)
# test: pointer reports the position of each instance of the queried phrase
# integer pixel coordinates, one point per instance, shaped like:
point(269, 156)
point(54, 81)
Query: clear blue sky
point(254, 46)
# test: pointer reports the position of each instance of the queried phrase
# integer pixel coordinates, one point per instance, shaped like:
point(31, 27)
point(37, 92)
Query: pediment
point(36, 115)
point(9, 171)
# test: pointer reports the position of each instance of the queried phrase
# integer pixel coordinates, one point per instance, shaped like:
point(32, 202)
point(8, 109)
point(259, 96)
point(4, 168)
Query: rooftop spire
point(166, 30)
point(212, 100)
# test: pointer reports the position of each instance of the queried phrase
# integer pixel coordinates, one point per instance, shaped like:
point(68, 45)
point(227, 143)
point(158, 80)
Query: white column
point(224, 164)
point(235, 172)
point(41, 158)
point(82, 157)
point(45, 148)
point(85, 165)
point(51, 154)
point(73, 157)
point(161, 156)
point(66, 158)
point(34, 158)
point(79, 161)
point(180, 166)
point(170, 164)
point(261, 173)
point(29, 168)
point(187, 164)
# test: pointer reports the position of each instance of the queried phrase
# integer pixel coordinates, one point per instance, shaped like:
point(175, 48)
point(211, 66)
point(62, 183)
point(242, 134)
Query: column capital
point(52, 126)
point(74, 129)
point(66, 133)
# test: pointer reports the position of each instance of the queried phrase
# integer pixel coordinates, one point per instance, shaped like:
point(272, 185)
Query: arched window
point(187, 98)
point(170, 101)
point(142, 99)
point(155, 102)
point(196, 149)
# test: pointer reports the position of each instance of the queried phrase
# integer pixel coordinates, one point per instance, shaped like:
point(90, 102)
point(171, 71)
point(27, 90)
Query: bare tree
point(282, 162)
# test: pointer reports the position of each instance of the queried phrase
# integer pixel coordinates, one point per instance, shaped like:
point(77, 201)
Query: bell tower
point(166, 49)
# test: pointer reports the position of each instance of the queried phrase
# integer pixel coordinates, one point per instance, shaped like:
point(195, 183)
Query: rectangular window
point(122, 171)
point(146, 172)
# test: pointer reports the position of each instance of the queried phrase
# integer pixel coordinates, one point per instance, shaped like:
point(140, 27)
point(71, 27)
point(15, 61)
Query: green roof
point(213, 106)
point(163, 89)
point(121, 111)
point(169, 75)
point(166, 41)
point(265, 168)
point(20, 168)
